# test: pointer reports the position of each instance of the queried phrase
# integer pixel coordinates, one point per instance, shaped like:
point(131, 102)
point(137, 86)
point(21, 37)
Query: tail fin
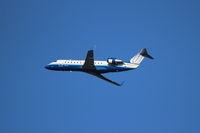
point(137, 59)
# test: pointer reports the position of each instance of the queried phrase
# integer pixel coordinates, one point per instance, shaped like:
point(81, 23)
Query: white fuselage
point(101, 66)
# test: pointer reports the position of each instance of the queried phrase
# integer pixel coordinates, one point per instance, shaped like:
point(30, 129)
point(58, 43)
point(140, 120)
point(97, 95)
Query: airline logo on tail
point(137, 59)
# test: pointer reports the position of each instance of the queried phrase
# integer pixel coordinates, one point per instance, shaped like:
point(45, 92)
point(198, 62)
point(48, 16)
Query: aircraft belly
point(105, 69)
point(74, 67)
point(99, 68)
point(64, 67)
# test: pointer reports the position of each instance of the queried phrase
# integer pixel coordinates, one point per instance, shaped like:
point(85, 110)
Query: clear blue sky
point(162, 96)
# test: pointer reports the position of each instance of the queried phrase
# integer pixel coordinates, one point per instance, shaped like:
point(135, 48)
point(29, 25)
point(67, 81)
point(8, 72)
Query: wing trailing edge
point(104, 78)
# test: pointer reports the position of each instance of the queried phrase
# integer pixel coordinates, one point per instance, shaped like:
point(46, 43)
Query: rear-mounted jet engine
point(114, 61)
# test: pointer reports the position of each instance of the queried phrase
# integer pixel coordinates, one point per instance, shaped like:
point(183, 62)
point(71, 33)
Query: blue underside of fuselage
point(99, 68)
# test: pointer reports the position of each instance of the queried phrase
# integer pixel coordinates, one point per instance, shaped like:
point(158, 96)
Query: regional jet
point(97, 68)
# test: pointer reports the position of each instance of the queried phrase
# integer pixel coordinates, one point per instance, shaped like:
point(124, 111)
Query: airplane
point(97, 68)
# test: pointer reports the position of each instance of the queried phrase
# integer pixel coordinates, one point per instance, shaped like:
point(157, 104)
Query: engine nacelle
point(114, 61)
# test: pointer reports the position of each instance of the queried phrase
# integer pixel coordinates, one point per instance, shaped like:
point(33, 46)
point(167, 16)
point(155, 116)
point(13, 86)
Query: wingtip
point(122, 83)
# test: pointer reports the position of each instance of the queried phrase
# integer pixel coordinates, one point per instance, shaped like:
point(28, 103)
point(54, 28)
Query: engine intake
point(114, 61)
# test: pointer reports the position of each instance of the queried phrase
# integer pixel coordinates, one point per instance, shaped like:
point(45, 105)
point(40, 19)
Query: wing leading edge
point(90, 68)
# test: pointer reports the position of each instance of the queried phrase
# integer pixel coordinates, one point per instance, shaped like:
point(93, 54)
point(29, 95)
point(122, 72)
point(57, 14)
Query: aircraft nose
point(47, 67)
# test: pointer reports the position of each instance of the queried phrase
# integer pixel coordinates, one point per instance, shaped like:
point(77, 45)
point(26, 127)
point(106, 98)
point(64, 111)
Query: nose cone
point(47, 67)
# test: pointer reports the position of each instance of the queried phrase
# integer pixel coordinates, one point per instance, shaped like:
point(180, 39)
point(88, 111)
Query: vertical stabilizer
point(137, 59)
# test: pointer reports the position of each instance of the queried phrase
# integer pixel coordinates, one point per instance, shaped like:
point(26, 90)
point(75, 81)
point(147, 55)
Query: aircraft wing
point(89, 61)
point(104, 78)
point(89, 65)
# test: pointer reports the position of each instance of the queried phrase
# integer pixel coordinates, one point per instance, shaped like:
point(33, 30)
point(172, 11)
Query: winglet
point(119, 84)
point(122, 83)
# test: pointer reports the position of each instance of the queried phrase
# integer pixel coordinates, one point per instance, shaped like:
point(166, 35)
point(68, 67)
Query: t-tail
point(137, 59)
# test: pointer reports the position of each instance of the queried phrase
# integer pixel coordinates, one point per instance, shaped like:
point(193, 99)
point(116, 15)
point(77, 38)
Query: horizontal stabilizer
point(145, 53)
